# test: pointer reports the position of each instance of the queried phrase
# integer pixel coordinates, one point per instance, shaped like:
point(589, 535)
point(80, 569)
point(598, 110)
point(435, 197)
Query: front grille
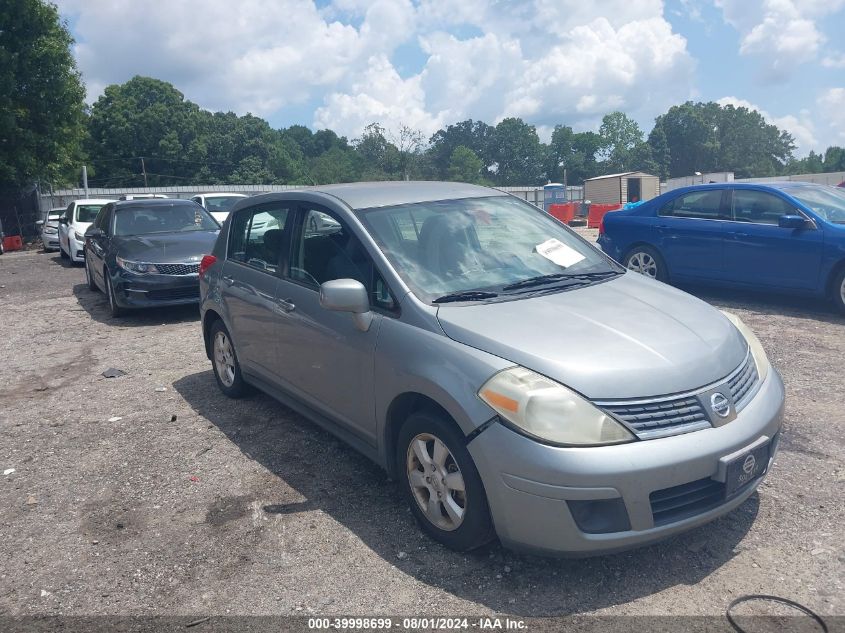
point(687, 500)
point(178, 269)
point(174, 294)
point(658, 419)
point(743, 382)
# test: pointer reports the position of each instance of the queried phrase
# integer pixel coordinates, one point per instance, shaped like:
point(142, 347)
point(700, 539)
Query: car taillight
point(206, 263)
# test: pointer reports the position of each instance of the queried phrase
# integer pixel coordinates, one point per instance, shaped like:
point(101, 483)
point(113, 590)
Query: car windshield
point(479, 248)
point(163, 218)
point(827, 202)
point(87, 212)
point(221, 204)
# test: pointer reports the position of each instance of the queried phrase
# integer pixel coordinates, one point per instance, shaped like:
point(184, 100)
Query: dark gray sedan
point(146, 253)
point(513, 379)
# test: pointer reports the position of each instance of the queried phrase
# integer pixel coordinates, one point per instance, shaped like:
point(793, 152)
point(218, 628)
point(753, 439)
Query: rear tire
point(224, 361)
point(114, 309)
point(441, 483)
point(838, 291)
point(646, 261)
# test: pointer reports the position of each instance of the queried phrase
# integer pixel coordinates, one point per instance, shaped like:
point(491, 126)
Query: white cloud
point(831, 105)
point(782, 33)
point(801, 127)
point(836, 60)
point(549, 61)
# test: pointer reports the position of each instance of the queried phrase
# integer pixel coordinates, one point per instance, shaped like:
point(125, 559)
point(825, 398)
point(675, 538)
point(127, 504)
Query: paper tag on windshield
point(558, 252)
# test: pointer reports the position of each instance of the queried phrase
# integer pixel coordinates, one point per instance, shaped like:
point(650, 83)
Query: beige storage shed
point(630, 186)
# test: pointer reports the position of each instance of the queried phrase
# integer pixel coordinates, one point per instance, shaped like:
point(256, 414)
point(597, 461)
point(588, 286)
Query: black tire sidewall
point(239, 388)
point(114, 309)
point(477, 526)
point(836, 291)
point(662, 273)
point(89, 278)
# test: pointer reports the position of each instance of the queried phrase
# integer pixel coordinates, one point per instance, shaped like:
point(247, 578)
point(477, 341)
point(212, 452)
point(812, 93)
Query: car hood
point(183, 246)
point(630, 337)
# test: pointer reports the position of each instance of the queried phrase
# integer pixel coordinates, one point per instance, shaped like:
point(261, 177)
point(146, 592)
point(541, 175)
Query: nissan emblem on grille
point(720, 405)
point(749, 464)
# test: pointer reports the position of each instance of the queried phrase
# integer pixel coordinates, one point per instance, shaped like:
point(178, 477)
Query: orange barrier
point(597, 212)
point(563, 212)
point(12, 243)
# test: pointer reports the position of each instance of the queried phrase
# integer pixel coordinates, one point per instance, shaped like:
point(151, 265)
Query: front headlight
point(50, 230)
point(139, 268)
point(757, 351)
point(549, 411)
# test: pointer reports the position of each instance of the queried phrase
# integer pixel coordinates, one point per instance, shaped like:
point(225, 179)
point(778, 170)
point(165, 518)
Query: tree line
point(144, 132)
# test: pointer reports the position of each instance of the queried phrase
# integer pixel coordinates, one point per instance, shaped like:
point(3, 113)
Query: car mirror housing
point(62, 220)
point(93, 231)
point(347, 295)
point(792, 222)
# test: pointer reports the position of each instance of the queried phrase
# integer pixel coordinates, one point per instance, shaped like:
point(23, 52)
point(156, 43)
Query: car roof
point(366, 195)
point(152, 202)
point(94, 200)
point(223, 194)
point(782, 185)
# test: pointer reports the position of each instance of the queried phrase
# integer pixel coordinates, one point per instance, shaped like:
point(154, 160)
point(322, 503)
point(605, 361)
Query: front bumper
point(528, 484)
point(76, 250)
point(50, 241)
point(149, 291)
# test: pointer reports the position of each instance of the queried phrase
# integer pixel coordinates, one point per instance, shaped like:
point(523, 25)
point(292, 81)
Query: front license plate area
point(746, 468)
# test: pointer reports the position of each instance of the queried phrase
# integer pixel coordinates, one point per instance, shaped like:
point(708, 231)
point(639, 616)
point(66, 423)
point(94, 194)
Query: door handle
point(285, 305)
point(739, 236)
point(228, 280)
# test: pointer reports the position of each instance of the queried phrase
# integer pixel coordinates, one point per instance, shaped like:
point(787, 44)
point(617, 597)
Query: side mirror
point(348, 295)
point(792, 222)
point(93, 231)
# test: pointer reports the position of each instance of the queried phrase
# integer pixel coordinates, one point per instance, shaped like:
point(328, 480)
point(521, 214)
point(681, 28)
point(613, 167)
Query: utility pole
point(144, 171)
point(85, 179)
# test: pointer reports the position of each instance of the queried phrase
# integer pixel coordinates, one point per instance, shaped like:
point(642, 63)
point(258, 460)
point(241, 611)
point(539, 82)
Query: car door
point(690, 232)
point(326, 361)
point(759, 252)
point(257, 241)
point(98, 245)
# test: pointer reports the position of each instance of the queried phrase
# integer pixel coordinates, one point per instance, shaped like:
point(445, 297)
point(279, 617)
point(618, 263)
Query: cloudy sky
point(342, 64)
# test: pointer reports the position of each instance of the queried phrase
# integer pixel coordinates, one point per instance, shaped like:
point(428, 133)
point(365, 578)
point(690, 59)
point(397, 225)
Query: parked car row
point(498, 365)
point(785, 237)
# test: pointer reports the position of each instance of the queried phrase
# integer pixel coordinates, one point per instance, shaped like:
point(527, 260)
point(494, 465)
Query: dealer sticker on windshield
point(556, 251)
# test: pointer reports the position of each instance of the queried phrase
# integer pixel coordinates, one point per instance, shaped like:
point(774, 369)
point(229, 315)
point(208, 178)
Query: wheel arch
point(399, 410)
point(208, 320)
point(835, 271)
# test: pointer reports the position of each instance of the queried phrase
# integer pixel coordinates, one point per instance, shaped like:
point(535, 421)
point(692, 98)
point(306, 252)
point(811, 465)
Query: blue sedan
point(786, 237)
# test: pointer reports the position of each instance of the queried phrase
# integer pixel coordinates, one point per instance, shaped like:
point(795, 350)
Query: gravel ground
point(151, 493)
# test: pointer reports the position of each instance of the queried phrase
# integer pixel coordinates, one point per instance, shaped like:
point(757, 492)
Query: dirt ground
point(151, 493)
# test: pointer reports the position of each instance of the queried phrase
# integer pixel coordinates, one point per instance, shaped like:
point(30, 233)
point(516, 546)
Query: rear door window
point(703, 205)
point(759, 207)
point(258, 236)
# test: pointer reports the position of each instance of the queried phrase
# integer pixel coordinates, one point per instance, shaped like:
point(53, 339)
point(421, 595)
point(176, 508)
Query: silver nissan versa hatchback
point(516, 381)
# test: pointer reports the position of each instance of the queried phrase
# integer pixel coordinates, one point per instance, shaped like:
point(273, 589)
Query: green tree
point(474, 135)
point(42, 110)
point(335, 165)
point(465, 165)
point(619, 136)
point(517, 154)
point(660, 151)
point(574, 152)
point(834, 159)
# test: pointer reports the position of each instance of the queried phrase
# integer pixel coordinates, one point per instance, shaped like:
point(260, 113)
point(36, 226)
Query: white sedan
point(218, 204)
point(72, 226)
point(50, 229)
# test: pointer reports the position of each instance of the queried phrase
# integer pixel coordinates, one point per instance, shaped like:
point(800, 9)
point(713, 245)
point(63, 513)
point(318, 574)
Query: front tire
point(646, 261)
point(224, 360)
point(89, 279)
point(114, 309)
point(441, 483)
point(838, 293)
point(62, 252)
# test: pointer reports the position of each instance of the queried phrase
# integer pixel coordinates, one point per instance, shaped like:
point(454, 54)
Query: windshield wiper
point(547, 279)
point(468, 295)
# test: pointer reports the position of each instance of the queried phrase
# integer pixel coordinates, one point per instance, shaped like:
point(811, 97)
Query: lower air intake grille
point(687, 500)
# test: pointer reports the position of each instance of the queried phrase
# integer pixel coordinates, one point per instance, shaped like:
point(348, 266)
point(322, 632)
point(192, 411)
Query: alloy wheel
point(643, 263)
point(842, 291)
point(436, 482)
point(224, 359)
